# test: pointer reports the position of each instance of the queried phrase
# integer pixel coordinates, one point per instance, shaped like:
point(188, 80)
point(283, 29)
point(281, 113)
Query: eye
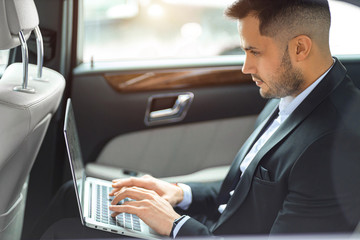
point(255, 53)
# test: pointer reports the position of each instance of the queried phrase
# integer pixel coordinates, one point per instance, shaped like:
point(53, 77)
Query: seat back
point(29, 97)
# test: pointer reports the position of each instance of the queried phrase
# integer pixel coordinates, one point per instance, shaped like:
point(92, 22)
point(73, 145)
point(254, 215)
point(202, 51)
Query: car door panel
point(178, 150)
point(113, 132)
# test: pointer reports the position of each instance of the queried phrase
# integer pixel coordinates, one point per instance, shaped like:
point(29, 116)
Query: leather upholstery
point(23, 124)
point(25, 115)
point(16, 16)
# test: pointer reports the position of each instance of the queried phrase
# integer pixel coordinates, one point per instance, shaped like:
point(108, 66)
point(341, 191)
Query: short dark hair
point(310, 17)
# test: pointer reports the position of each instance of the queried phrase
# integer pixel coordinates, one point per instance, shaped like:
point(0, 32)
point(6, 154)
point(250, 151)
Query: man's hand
point(170, 192)
point(154, 210)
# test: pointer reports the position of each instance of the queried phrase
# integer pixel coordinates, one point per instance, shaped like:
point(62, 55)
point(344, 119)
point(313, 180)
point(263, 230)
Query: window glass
point(344, 32)
point(163, 29)
point(156, 29)
point(4, 58)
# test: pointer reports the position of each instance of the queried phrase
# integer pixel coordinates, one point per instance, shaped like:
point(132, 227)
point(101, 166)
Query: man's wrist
point(177, 224)
point(180, 194)
point(187, 196)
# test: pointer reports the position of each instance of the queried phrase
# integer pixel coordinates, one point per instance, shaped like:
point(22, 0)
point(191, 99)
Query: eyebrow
point(249, 48)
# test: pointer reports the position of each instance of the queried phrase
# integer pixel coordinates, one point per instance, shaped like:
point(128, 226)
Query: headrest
point(16, 16)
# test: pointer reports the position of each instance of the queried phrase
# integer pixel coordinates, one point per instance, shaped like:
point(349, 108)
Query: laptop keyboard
point(103, 214)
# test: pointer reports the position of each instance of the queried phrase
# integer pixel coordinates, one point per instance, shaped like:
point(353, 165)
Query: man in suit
point(300, 169)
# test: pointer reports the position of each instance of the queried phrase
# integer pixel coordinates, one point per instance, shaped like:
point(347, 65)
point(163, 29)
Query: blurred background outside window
point(116, 30)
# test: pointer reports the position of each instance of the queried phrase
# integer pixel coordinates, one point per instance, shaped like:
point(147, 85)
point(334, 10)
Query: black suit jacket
point(306, 178)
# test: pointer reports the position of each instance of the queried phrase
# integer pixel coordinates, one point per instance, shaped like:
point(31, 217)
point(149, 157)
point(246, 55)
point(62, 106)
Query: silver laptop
point(93, 194)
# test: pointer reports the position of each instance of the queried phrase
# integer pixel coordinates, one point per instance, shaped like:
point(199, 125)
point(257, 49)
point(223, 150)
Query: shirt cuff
point(187, 200)
point(179, 225)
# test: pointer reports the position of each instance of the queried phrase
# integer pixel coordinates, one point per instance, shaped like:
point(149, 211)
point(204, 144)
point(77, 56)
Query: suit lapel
point(326, 86)
point(234, 170)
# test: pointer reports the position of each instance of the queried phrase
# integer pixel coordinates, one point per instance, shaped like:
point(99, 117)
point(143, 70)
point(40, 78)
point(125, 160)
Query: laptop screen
point(74, 154)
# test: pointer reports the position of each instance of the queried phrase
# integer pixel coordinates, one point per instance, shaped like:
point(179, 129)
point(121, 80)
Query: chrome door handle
point(176, 110)
point(174, 114)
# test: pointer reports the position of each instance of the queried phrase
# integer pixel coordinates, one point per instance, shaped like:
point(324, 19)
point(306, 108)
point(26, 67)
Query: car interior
point(181, 119)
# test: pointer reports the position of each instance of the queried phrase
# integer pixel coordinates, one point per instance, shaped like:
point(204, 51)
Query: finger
point(114, 191)
point(133, 193)
point(126, 208)
point(120, 179)
point(131, 182)
point(136, 207)
point(114, 214)
point(118, 184)
point(144, 190)
point(146, 176)
point(140, 203)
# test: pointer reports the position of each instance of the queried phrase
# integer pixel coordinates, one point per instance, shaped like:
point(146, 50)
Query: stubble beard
point(290, 81)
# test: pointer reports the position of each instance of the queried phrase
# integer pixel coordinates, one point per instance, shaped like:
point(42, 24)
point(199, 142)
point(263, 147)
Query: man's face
point(269, 65)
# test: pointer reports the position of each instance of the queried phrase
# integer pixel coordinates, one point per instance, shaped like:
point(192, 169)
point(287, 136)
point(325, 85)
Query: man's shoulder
point(346, 101)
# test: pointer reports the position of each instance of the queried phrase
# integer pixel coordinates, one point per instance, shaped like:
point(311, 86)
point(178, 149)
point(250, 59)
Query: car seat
point(29, 97)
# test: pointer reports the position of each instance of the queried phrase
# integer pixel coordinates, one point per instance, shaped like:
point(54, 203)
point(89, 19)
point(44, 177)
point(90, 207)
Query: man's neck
point(314, 71)
point(288, 104)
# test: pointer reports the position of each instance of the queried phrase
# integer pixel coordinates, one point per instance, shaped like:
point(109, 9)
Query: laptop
point(93, 194)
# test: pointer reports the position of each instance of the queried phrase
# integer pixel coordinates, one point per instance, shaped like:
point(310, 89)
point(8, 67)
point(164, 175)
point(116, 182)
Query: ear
point(301, 47)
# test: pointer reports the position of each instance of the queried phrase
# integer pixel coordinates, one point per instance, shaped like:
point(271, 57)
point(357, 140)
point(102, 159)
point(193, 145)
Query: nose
point(248, 66)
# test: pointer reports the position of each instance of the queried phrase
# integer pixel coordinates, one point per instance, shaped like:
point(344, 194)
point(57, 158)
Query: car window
point(344, 34)
point(149, 29)
point(114, 30)
point(4, 58)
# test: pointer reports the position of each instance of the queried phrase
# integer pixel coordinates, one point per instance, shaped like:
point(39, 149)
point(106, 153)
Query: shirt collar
point(288, 104)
